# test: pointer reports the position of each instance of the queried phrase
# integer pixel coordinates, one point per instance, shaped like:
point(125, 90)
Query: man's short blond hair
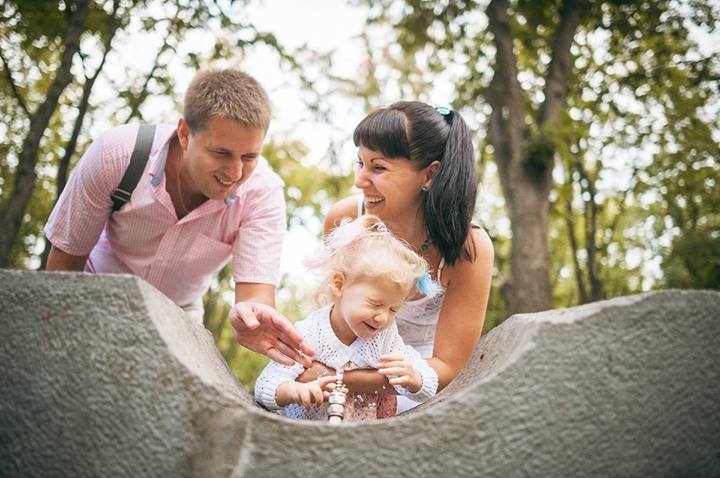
point(227, 93)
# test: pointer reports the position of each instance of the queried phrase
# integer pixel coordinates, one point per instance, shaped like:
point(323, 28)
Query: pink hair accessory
point(341, 237)
point(336, 240)
point(318, 261)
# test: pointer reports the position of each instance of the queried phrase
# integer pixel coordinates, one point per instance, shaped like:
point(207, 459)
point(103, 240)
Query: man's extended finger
point(300, 351)
point(275, 355)
point(290, 335)
point(293, 354)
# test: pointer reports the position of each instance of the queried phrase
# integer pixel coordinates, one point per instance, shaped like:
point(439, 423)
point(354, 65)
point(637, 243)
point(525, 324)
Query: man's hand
point(264, 330)
point(400, 371)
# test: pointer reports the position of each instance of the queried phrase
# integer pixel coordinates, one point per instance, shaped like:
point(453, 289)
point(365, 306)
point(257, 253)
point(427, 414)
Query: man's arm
point(259, 327)
point(62, 261)
point(250, 292)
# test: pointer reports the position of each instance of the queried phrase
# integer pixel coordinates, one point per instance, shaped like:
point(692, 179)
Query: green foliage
point(693, 260)
point(497, 309)
point(306, 187)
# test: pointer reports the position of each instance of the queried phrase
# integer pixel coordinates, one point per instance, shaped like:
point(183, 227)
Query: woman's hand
point(315, 371)
point(399, 371)
point(305, 394)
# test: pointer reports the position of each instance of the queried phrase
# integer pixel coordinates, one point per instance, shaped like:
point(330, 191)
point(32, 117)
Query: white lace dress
point(362, 353)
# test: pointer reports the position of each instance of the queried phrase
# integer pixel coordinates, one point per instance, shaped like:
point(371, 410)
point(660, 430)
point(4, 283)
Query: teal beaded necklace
point(425, 245)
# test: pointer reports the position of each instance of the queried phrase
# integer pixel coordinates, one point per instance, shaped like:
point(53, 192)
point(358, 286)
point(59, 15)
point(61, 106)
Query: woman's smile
point(373, 201)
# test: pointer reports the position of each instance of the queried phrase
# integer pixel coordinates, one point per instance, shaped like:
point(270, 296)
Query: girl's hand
point(308, 394)
point(399, 371)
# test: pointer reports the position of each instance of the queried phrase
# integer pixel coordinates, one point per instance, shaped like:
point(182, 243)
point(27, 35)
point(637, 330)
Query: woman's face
point(390, 186)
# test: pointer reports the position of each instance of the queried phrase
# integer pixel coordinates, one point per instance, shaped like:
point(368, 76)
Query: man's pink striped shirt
point(145, 237)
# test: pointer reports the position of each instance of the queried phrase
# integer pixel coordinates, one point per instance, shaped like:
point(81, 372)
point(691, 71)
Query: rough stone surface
point(104, 376)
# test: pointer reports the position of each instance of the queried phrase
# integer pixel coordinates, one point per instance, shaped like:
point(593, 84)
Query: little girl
point(370, 274)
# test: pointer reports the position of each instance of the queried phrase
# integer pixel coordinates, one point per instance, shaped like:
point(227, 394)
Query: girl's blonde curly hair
point(364, 249)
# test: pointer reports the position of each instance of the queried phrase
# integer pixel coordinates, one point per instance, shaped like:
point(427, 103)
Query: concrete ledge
point(104, 376)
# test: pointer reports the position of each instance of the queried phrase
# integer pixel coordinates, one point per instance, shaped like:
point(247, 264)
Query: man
point(205, 195)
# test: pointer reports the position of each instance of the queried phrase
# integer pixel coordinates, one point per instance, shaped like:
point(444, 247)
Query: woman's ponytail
point(450, 202)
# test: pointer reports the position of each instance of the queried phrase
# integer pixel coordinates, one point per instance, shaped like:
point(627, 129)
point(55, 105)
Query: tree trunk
point(13, 211)
point(574, 249)
point(526, 194)
point(64, 166)
point(526, 189)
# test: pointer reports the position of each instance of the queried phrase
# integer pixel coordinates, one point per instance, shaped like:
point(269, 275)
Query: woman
point(416, 170)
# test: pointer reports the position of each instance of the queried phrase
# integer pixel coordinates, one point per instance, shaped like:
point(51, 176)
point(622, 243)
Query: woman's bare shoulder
point(481, 247)
point(345, 208)
point(483, 244)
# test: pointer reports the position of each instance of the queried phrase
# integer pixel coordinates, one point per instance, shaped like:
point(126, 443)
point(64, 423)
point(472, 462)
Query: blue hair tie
point(446, 113)
point(426, 285)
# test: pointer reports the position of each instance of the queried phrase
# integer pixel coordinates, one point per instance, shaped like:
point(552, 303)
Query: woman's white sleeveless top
point(417, 319)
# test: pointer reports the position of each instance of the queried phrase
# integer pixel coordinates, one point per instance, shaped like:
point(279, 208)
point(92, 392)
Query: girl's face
point(391, 186)
point(364, 307)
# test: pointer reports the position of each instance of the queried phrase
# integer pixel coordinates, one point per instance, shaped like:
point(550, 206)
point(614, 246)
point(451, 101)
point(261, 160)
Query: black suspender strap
point(121, 195)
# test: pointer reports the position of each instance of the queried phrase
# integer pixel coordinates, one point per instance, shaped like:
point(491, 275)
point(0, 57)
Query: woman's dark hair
point(423, 134)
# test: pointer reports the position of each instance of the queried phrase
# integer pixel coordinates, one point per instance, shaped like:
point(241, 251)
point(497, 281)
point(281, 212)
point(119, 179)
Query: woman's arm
point(463, 310)
point(358, 380)
point(345, 208)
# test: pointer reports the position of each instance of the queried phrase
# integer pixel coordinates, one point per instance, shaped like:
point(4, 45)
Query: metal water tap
point(336, 402)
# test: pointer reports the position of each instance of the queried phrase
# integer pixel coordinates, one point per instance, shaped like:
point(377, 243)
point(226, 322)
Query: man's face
point(218, 158)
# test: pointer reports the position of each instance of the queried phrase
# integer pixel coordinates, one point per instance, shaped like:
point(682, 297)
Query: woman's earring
point(424, 188)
